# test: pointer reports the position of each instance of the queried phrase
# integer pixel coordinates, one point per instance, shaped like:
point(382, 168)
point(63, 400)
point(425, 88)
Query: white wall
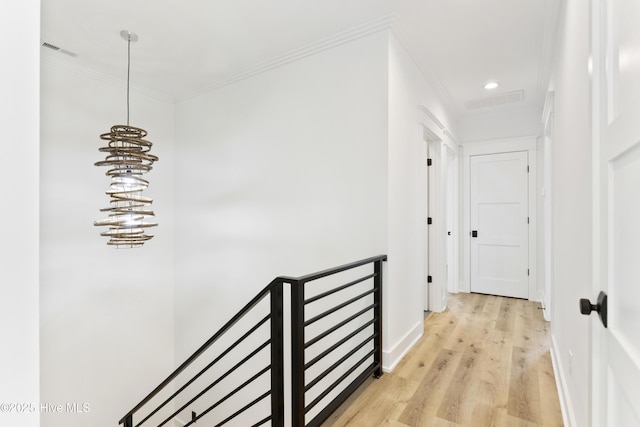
point(541, 188)
point(572, 244)
point(408, 90)
point(106, 314)
point(283, 173)
point(289, 171)
point(19, 86)
point(501, 124)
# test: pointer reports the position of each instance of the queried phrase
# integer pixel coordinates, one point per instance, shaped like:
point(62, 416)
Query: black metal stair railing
point(237, 377)
point(356, 320)
point(158, 409)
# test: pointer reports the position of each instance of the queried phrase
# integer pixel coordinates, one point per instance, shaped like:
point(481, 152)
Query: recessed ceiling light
point(491, 85)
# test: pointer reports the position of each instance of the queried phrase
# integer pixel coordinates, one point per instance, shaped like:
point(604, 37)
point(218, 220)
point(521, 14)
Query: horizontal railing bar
point(224, 399)
point(338, 289)
point(216, 382)
point(331, 368)
point(339, 306)
point(238, 412)
point(263, 293)
point(338, 326)
point(344, 394)
point(337, 382)
point(339, 343)
point(206, 368)
point(330, 271)
point(262, 421)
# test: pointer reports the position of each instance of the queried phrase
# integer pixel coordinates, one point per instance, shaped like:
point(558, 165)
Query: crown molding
point(429, 75)
point(550, 31)
point(381, 24)
point(55, 60)
point(384, 23)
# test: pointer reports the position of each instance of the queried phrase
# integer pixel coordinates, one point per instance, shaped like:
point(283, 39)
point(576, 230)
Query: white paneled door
point(616, 348)
point(499, 194)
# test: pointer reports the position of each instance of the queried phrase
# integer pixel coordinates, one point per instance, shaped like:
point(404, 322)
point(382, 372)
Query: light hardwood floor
point(483, 362)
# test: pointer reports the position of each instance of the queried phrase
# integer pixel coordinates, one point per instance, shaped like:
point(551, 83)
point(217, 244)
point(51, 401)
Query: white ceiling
point(187, 47)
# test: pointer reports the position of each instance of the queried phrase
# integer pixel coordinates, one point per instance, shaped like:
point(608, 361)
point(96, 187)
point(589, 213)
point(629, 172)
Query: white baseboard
point(568, 416)
point(391, 358)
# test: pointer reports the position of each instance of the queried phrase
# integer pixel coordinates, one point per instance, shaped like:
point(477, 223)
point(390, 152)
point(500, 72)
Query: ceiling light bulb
point(491, 85)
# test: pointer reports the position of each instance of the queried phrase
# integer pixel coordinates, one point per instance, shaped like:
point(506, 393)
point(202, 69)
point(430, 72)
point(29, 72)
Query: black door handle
point(474, 233)
point(601, 307)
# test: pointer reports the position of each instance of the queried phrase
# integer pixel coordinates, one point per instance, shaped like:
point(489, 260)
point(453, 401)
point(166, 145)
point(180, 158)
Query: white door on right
point(616, 348)
point(499, 194)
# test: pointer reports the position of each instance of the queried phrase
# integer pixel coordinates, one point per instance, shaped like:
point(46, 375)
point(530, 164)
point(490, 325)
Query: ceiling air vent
point(495, 101)
point(59, 49)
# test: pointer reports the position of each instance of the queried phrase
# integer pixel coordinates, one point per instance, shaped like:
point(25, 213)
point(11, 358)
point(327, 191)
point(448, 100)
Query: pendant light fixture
point(128, 158)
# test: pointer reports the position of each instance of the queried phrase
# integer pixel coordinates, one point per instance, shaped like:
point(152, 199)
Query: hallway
point(484, 362)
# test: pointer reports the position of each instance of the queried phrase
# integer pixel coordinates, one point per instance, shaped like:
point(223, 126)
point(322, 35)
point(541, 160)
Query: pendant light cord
point(128, 73)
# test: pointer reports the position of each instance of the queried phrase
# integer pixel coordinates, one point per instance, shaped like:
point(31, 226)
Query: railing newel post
point(297, 354)
point(377, 310)
point(277, 355)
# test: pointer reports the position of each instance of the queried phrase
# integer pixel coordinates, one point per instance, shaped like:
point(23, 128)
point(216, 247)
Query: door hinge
point(528, 272)
point(527, 220)
point(429, 162)
point(429, 279)
point(429, 220)
point(527, 168)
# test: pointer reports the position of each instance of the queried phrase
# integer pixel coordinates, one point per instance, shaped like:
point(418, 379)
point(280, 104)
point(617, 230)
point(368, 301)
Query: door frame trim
point(438, 141)
point(507, 145)
point(453, 147)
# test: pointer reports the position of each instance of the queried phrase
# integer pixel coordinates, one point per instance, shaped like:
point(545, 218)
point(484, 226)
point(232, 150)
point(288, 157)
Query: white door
point(437, 265)
point(499, 193)
point(616, 351)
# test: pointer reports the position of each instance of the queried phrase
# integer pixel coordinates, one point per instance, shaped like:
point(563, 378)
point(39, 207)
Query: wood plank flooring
point(484, 362)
